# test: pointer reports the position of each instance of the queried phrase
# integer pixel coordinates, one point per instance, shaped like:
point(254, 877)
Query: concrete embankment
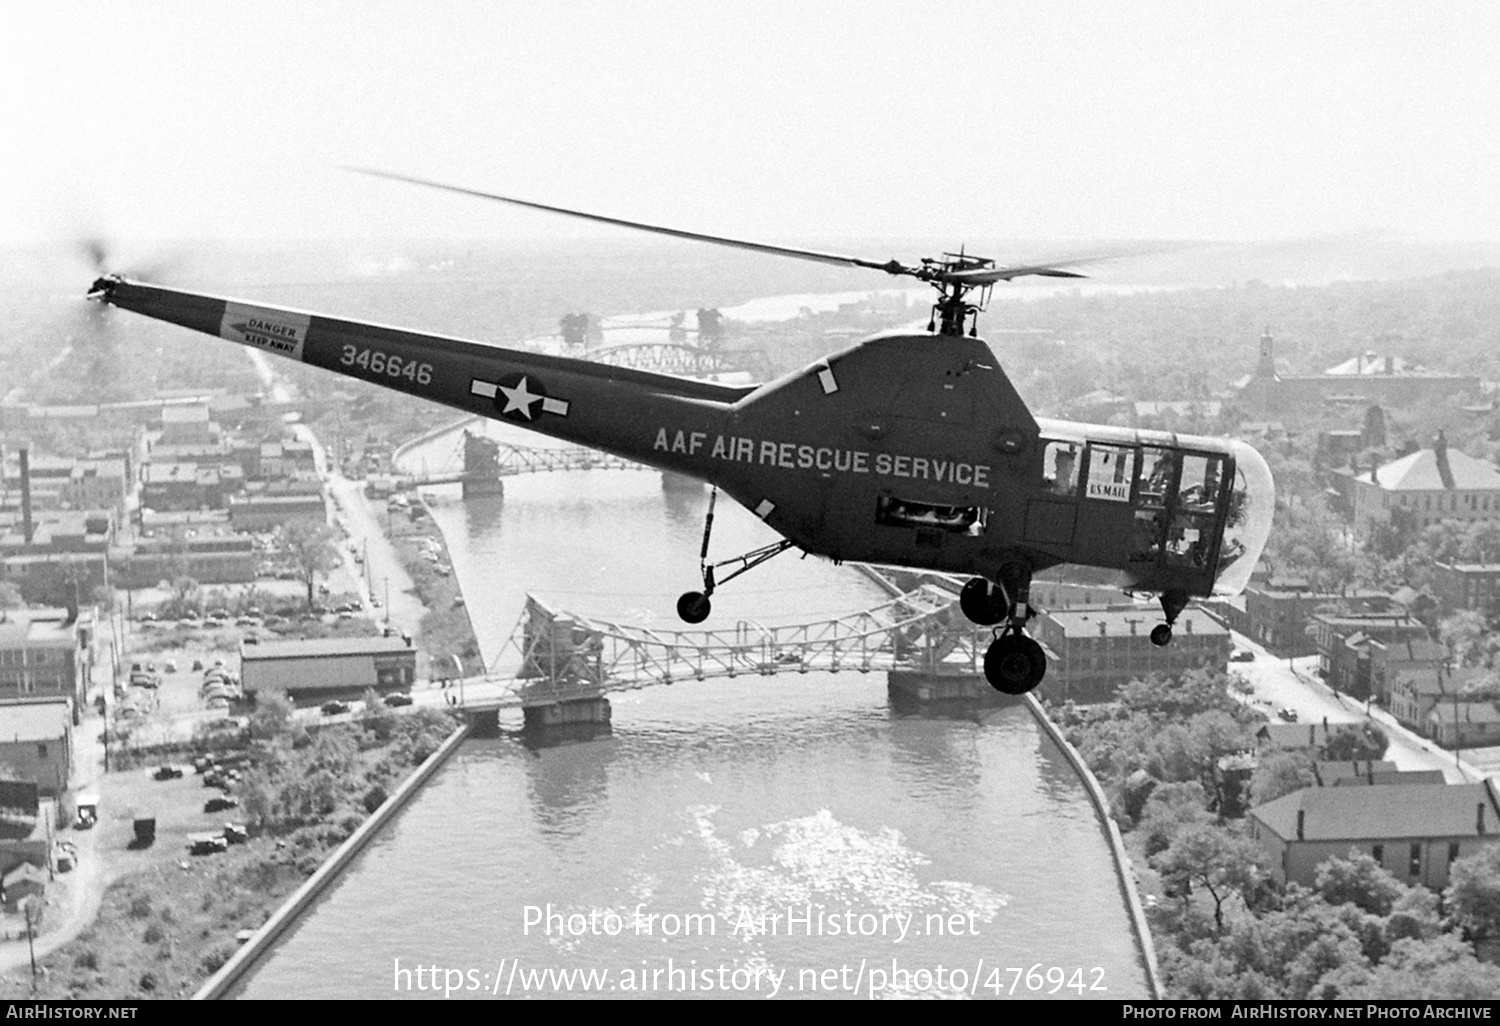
point(1123, 873)
point(264, 939)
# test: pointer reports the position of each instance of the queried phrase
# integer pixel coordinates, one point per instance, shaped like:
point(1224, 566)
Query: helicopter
point(908, 448)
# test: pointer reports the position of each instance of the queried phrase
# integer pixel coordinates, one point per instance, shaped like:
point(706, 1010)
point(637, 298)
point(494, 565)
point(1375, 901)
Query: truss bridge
point(554, 657)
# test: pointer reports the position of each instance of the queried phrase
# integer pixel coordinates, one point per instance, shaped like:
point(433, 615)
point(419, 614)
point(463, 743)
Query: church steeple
point(1266, 368)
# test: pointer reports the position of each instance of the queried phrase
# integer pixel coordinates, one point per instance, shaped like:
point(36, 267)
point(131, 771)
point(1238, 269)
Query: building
point(46, 653)
point(36, 744)
point(1344, 642)
point(267, 512)
point(1413, 657)
point(1368, 378)
point(328, 667)
point(1415, 832)
point(187, 424)
point(1293, 736)
point(1428, 486)
point(1278, 612)
point(1370, 773)
point(1474, 586)
point(214, 559)
point(1464, 723)
point(1094, 651)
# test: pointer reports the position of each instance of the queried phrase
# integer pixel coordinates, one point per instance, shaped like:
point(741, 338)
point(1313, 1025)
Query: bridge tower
point(562, 658)
point(481, 466)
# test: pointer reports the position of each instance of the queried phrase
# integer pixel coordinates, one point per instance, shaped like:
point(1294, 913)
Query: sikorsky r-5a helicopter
point(907, 449)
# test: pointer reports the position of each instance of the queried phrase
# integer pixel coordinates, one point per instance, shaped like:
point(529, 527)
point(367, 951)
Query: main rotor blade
point(889, 266)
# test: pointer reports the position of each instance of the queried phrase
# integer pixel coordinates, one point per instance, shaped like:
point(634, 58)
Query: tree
point(1223, 863)
point(1473, 893)
point(273, 711)
point(1442, 967)
point(1171, 809)
point(1279, 773)
point(1360, 881)
point(1348, 743)
point(313, 551)
point(1465, 634)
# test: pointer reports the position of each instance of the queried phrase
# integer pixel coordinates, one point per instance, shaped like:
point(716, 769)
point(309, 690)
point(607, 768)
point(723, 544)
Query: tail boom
point(615, 409)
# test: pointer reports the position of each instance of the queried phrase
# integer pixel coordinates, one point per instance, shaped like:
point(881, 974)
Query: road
point(1293, 684)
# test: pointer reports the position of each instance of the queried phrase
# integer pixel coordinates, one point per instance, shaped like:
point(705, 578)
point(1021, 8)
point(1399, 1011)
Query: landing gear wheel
point(1161, 635)
point(982, 602)
point(694, 607)
point(1014, 664)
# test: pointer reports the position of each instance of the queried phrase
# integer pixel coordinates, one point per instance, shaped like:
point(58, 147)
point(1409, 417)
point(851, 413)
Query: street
point(1294, 684)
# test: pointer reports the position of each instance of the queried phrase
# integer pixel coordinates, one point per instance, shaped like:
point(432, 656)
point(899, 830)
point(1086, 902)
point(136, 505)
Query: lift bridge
point(480, 464)
point(555, 659)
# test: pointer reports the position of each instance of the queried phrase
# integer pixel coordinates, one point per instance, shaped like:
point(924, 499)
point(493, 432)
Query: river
point(790, 836)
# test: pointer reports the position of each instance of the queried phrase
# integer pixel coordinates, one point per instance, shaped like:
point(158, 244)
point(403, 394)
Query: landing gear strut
point(694, 606)
point(1014, 663)
point(1172, 604)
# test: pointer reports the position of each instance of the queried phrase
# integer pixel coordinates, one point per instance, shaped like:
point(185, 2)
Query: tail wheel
point(983, 602)
point(1014, 664)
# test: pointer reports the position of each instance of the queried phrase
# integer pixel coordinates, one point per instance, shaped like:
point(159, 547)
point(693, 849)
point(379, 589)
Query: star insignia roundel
point(520, 397)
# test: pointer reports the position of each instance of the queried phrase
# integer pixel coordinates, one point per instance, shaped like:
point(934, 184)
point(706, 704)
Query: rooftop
point(1116, 621)
point(1420, 472)
point(50, 628)
point(33, 721)
point(324, 648)
point(1379, 813)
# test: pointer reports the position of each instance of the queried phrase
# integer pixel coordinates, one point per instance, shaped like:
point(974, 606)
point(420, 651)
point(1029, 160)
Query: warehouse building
point(328, 667)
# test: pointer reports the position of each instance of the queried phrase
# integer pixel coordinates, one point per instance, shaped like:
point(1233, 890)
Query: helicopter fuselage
point(906, 449)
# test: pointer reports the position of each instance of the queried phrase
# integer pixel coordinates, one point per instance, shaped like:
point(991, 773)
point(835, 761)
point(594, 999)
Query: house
point(1414, 832)
point(1293, 736)
point(1369, 773)
point(36, 744)
point(1409, 656)
point(1416, 690)
point(1464, 723)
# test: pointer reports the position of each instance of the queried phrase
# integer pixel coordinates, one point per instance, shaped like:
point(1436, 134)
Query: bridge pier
point(574, 710)
point(483, 722)
point(578, 719)
point(908, 687)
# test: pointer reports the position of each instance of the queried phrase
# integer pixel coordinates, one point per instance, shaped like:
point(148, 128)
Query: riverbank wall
point(1124, 875)
point(264, 939)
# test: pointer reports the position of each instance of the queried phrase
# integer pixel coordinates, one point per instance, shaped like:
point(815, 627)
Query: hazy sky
point(1125, 119)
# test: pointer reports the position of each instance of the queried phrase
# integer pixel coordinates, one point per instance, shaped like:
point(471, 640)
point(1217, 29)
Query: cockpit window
point(1156, 476)
point(1198, 489)
point(1060, 467)
point(1111, 468)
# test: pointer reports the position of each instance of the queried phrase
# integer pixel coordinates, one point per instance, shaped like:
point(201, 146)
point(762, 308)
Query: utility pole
point(30, 907)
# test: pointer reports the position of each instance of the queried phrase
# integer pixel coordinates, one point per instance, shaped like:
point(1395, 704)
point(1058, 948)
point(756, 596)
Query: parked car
point(220, 803)
point(1287, 713)
point(1240, 655)
point(334, 708)
point(170, 666)
point(235, 833)
point(398, 698)
point(207, 844)
point(167, 771)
